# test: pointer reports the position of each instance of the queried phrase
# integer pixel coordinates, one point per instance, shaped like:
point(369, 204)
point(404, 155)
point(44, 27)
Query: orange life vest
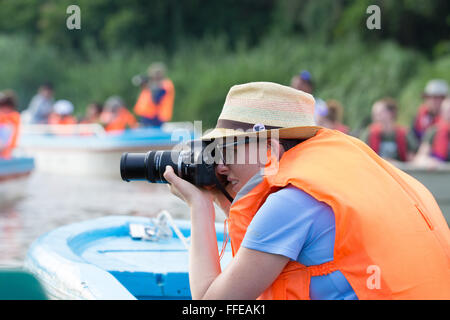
point(441, 141)
point(424, 120)
point(11, 118)
point(55, 118)
point(389, 228)
point(123, 120)
point(375, 131)
point(146, 107)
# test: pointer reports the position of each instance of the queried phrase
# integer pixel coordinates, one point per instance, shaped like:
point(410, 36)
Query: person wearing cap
point(435, 148)
point(323, 218)
point(62, 113)
point(116, 117)
point(92, 114)
point(9, 123)
point(387, 138)
point(155, 102)
point(428, 114)
point(303, 82)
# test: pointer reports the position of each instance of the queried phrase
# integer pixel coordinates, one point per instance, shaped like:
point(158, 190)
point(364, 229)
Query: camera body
point(190, 165)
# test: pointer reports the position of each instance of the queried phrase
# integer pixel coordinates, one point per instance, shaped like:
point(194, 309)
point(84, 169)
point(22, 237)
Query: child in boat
point(116, 117)
point(388, 139)
point(62, 113)
point(9, 123)
point(428, 114)
point(435, 148)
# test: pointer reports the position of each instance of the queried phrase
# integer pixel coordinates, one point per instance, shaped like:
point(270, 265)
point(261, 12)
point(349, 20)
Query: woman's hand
point(185, 190)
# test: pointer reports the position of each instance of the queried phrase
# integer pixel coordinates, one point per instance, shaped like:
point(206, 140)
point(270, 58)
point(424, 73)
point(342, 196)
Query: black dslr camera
point(195, 164)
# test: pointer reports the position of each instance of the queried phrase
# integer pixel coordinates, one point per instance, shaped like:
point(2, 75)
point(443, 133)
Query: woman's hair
point(290, 143)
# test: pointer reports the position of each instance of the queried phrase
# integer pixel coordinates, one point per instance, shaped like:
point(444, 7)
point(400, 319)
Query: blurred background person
point(303, 81)
point(155, 102)
point(435, 147)
point(41, 104)
point(62, 113)
point(93, 113)
point(387, 138)
point(428, 114)
point(115, 116)
point(331, 116)
point(9, 123)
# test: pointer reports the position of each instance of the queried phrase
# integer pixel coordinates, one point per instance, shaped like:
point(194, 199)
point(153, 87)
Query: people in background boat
point(9, 123)
point(303, 82)
point(331, 116)
point(323, 218)
point(155, 102)
point(115, 115)
point(41, 105)
point(93, 113)
point(387, 138)
point(62, 113)
point(428, 114)
point(435, 147)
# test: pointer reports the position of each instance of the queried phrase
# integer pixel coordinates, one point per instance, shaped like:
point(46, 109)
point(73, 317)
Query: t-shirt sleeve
point(283, 224)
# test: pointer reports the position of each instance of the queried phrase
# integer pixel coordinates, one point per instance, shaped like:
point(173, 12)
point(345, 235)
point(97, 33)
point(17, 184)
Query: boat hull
point(98, 259)
point(14, 175)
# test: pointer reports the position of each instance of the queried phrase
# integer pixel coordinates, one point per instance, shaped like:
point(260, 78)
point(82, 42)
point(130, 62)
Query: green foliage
point(211, 45)
point(203, 71)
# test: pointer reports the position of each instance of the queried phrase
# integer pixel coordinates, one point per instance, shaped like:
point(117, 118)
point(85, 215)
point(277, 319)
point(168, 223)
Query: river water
point(48, 201)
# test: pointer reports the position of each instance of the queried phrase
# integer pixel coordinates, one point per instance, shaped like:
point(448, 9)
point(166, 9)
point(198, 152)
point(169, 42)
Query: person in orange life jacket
point(332, 117)
point(115, 116)
point(62, 113)
point(428, 114)
point(388, 139)
point(291, 222)
point(435, 148)
point(155, 102)
point(9, 123)
point(93, 112)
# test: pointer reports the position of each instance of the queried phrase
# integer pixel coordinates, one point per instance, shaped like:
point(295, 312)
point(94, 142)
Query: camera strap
point(222, 189)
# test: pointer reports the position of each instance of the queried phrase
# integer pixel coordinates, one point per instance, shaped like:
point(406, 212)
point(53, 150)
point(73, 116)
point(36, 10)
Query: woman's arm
point(249, 273)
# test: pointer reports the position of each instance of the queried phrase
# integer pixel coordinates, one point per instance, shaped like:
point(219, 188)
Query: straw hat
point(257, 107)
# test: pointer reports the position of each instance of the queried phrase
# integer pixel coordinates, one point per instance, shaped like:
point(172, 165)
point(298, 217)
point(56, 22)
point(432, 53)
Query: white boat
point(117, 258)
point(14, 174)
point(437, 180)
point(87, 150)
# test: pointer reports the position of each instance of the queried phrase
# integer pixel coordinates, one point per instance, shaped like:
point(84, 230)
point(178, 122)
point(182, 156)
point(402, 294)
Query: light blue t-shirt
point(294, 224)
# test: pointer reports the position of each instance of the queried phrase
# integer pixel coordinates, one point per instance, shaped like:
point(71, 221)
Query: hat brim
point(303, 132)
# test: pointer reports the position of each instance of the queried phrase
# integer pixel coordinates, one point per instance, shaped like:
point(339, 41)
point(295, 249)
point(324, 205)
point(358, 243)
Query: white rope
point(175, 228)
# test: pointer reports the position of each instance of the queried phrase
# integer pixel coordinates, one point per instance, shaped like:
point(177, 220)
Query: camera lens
point(132, 166)
point(148, 166)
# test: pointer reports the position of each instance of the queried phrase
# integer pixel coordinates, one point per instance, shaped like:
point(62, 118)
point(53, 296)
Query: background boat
point(436, 180)
point(14, 173)
point(108, 258)
point(87, 150)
